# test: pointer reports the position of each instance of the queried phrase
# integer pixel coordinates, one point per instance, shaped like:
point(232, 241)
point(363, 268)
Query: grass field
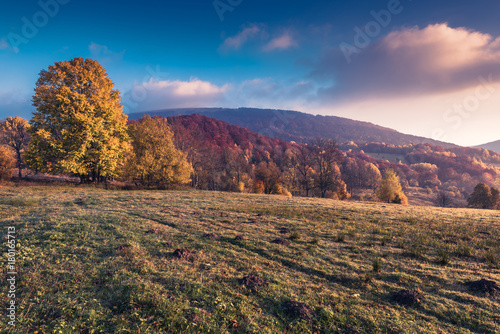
point(101, 261)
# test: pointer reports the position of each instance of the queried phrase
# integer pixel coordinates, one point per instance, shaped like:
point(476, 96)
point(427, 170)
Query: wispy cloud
point(283, 42)
point(15, 103)
point(271, 93)
point(104, 54)
point(178, 94)
point(261, 37)
point(237, 41)
point(5, 45)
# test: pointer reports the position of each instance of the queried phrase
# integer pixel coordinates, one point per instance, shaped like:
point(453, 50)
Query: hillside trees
point(236, 174)
point(14, 134)
point(372, 176)
point(326, 157)
point(484, 197)
point(7, 163)
point(79, 127)
point(154, 160)
point(358, 174)
point(269, 175)
point(443, 199)
point(390, 190)
point(303, 163)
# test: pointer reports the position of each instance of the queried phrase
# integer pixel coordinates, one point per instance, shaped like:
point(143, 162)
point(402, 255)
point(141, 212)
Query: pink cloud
point(282, 42)
point(441, 48)
point(237, 41)
point(4, 44)
point(413, 61)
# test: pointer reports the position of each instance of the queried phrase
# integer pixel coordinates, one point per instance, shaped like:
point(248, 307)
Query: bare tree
point(14, 133)
point(326, 158)
point(304, 165)
point(443, 199)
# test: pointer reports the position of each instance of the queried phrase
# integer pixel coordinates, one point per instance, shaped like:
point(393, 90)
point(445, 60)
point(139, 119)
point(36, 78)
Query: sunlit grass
point(93, 260)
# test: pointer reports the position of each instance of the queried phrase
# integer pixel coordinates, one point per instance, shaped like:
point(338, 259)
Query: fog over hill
point(300, 127)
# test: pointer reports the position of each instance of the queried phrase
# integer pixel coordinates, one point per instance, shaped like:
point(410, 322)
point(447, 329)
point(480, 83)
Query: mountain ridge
point(297, 126)
point(493, 146)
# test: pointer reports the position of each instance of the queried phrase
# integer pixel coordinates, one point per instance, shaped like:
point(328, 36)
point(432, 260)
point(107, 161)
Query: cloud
point(15, 104)
point(282, 42)
point(104, 55)
point(4, 44)
point(258, 92)
point(240, 39)
point(271, 93)
point(253, 32)
point(156, 95)
point(412, 61)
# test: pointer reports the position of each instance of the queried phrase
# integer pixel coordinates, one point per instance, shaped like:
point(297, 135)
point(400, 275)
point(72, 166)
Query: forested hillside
point(231, 158)
point(300, 127)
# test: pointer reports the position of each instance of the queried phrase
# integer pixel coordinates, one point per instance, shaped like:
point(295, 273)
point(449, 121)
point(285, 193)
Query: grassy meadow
point(109, 261)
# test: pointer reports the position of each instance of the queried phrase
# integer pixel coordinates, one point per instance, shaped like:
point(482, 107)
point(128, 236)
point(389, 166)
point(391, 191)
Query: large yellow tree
point(154, 160)
point(79, 127)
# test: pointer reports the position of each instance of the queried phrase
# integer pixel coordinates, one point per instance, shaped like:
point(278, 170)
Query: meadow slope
point(105, 261)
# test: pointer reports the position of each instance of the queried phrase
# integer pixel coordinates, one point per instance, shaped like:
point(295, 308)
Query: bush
point(390, 190)
point(7, 163)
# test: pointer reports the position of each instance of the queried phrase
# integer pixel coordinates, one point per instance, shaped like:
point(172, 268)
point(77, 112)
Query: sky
point(428, 68)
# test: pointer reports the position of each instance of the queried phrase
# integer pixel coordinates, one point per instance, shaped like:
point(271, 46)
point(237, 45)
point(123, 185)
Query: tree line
point(79, 129)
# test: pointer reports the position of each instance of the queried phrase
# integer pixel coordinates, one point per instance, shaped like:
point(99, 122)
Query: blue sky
point(429, 68)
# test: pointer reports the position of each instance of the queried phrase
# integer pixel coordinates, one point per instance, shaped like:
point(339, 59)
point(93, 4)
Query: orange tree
point(79, 127)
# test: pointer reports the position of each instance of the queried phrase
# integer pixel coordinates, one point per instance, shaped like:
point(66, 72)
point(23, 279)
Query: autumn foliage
point(154, 160)
point(14, 134)
point(79, 127)
point(390, 190)
point(7, 163)
point(484, 197)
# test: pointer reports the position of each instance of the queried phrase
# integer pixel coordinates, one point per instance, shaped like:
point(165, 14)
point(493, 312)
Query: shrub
point(390, 190)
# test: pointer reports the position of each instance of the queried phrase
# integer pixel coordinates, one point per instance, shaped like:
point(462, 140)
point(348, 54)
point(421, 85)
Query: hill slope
point(493, 146)
point(301, 127)
point(224, 155)
point(108, 261)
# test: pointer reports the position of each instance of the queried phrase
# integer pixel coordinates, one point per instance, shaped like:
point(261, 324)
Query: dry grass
point(97, 261)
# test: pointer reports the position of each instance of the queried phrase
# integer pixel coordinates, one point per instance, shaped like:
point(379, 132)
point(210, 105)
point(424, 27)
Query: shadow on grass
point(338, 278)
